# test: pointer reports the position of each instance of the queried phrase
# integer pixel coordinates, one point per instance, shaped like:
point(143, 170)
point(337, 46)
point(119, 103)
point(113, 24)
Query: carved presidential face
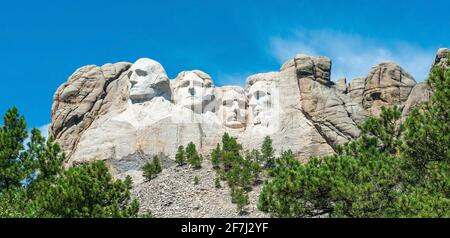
point(148, 80)
point(260, 101)
point(233, 107)
point(194, 90)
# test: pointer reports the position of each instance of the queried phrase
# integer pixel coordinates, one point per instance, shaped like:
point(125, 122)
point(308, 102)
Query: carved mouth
point(233, 118)
point(192, 97)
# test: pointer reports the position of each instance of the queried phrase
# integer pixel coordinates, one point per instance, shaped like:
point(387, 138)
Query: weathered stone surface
point(422, 91)
point(90, 92)
point(334, 115)
point(125, 113)
point(442, 57)
point(356, 89)
point(419, 94)
point(275, 110)
point(341, 85)
point(387, 84)
point(118, 111)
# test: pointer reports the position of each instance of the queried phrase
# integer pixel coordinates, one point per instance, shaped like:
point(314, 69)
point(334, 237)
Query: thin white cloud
point(353, 55)
point(44, 132)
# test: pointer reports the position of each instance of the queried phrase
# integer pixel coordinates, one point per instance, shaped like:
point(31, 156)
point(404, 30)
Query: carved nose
point(191, 91)
point(235, 106)
point(252, 102)
point(133, 82)
point(235, 111)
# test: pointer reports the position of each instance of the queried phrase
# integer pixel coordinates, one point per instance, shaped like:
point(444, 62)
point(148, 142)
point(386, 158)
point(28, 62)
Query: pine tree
point(427, 138)
point(240, 198)
point(215, 157)
point(426, 153)
point(40, 187)
point(361, 181)
point(157, 164)
point(268, 153)
point(245, 174)
point(231, 152)
point(88, 191)
point(253, 160)
point(191, 151)
point(48, 161)
point(193, 158)
point(14, 162)
point(196, 161)
point(152, 169)
point(180, 156)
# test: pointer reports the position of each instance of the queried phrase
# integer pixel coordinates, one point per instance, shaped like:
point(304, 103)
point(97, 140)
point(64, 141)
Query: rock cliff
point(123, 113)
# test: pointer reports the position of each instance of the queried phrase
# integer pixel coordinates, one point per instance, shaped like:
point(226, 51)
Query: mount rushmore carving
point(119, 110)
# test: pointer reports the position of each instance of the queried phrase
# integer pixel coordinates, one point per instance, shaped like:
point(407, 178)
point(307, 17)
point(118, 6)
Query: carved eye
point(259, 94)
point(129, 74)
point(184, 83)
point(141, 72)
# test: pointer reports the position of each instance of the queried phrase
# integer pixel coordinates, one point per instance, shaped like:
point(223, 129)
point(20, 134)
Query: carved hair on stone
point(194, 90)
point(148, 79)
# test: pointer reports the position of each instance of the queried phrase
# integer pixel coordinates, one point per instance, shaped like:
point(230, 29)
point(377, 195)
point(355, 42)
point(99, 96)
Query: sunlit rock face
point(386, 85)
point(422, 92)
point(263, 103)
point(148, 79)
point(194, 90)
point(233, 107)
point(124, 113)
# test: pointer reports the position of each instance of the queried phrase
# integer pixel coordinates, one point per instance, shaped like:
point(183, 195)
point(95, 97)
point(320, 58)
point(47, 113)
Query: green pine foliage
point(392, 170)
point(241, 170)
point(180, 157)
point(34, 183)
point(268, 153)
point(15, 162)
point(193, 157)
point(426, 153)
point(359, 181)
point(152, 169)
point(88, 191)
point(240, 198)
point(216, 156)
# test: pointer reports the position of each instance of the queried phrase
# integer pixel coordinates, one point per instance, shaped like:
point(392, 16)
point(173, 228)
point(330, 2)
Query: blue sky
point(43, 42)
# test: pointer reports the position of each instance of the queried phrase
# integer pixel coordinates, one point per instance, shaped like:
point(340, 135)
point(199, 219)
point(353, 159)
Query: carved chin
point(257, 120)
point(234, 124)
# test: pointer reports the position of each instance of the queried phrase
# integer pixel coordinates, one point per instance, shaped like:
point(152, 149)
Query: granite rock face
point(422, 92)
point(333, 113)
point(387, 84)
point(356, 89)
point(89, 93)
point(124, 113)
point(442, 58)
